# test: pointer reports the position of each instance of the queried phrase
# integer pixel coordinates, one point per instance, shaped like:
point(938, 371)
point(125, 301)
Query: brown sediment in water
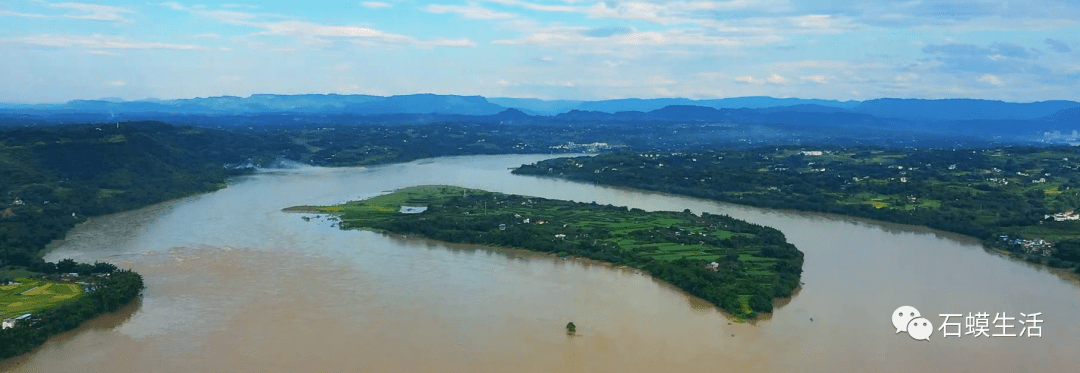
point(694, 301)
point(295, 296)
point(102, 322)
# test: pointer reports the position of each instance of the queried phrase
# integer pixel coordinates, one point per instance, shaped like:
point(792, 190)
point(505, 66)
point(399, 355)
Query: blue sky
point(1008, 50)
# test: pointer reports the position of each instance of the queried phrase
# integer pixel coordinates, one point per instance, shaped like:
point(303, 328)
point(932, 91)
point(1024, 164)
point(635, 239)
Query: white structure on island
point(1063, 216)
point(412, 209)
point(10, 323)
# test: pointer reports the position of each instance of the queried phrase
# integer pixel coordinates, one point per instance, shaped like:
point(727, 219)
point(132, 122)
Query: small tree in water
point(570, 328)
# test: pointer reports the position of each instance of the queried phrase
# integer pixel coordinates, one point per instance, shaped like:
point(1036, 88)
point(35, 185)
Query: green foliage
point(55, 177)
point(983, 193)
point(672, 246)
point(116, 290)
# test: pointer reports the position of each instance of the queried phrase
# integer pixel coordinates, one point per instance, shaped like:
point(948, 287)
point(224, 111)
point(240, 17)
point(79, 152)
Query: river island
point(735, 265)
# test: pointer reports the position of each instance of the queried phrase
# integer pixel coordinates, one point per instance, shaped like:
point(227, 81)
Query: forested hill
point(55, 177)
point(1020, 199)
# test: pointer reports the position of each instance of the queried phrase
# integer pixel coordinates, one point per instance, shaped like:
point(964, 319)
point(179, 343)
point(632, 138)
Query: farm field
point(32, 295)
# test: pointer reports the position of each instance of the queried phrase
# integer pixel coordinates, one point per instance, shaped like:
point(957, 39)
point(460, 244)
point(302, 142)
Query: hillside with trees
point(1020, 199)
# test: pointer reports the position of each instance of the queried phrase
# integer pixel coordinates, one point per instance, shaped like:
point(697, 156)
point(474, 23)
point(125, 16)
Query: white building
point(412, 209)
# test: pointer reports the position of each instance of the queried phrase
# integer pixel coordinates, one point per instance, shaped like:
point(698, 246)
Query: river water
point(236, 285)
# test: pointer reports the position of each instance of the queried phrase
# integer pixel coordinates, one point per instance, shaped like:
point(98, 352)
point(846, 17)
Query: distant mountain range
point(367, 105)
point(259, 104)
point(992, 120)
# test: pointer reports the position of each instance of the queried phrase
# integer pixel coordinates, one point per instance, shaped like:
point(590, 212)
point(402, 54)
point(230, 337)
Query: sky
point(1010, 50)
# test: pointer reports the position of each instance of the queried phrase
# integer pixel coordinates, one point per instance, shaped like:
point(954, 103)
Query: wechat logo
point(908, 319)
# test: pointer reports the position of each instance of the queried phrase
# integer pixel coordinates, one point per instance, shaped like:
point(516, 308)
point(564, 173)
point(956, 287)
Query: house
point(412, 209)
point(713, 266)
point(526, 221)
point(9, 323)
point(502, 227)
point(560, 236)
point(1063, 216)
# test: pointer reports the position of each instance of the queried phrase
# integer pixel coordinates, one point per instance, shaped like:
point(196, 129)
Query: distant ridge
point(552, 107)
point(267, 103)
point(433, 107)
point(1065, 115)
point(960, 109)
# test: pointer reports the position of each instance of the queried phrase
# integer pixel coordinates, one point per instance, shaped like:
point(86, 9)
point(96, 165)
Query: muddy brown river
point(236, 285)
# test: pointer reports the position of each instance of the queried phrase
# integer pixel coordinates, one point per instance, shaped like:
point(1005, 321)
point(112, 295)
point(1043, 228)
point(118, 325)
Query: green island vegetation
point(41, 305)
point(1019, 200)
point(738, 266)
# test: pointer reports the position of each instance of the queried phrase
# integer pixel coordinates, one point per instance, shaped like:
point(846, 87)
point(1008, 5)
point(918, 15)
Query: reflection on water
point(234, 284)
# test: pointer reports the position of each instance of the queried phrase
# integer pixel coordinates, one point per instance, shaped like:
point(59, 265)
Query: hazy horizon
point(1007, 50)
point(156, 99)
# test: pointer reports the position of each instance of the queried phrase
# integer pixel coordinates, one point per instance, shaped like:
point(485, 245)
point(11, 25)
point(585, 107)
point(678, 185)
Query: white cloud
point(774, 78)
point(228, 16)
point(248, 6)
point(375, 4)
point(540, 7)
point(206, 35)
point(93, 42)
point(710, 75)
point(441, 42)
point(19, 14)
point(315, 33)
point(93, 12)
point(659, 80)
point(559, 36)
point(990, 79)
point(815, 78)
point(116, 83)
point(173, 5)
point(225, 49)
point(471, 11)
point(745, 79)
point(503, 82)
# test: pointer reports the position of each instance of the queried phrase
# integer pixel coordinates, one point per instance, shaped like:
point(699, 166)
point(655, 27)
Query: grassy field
point(620, 225)
point(33, 295)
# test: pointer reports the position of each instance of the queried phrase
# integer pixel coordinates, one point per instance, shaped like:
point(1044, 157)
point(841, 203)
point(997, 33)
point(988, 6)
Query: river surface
point(236, 285)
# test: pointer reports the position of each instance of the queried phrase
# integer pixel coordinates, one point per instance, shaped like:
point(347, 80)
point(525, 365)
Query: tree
point(571, 329)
